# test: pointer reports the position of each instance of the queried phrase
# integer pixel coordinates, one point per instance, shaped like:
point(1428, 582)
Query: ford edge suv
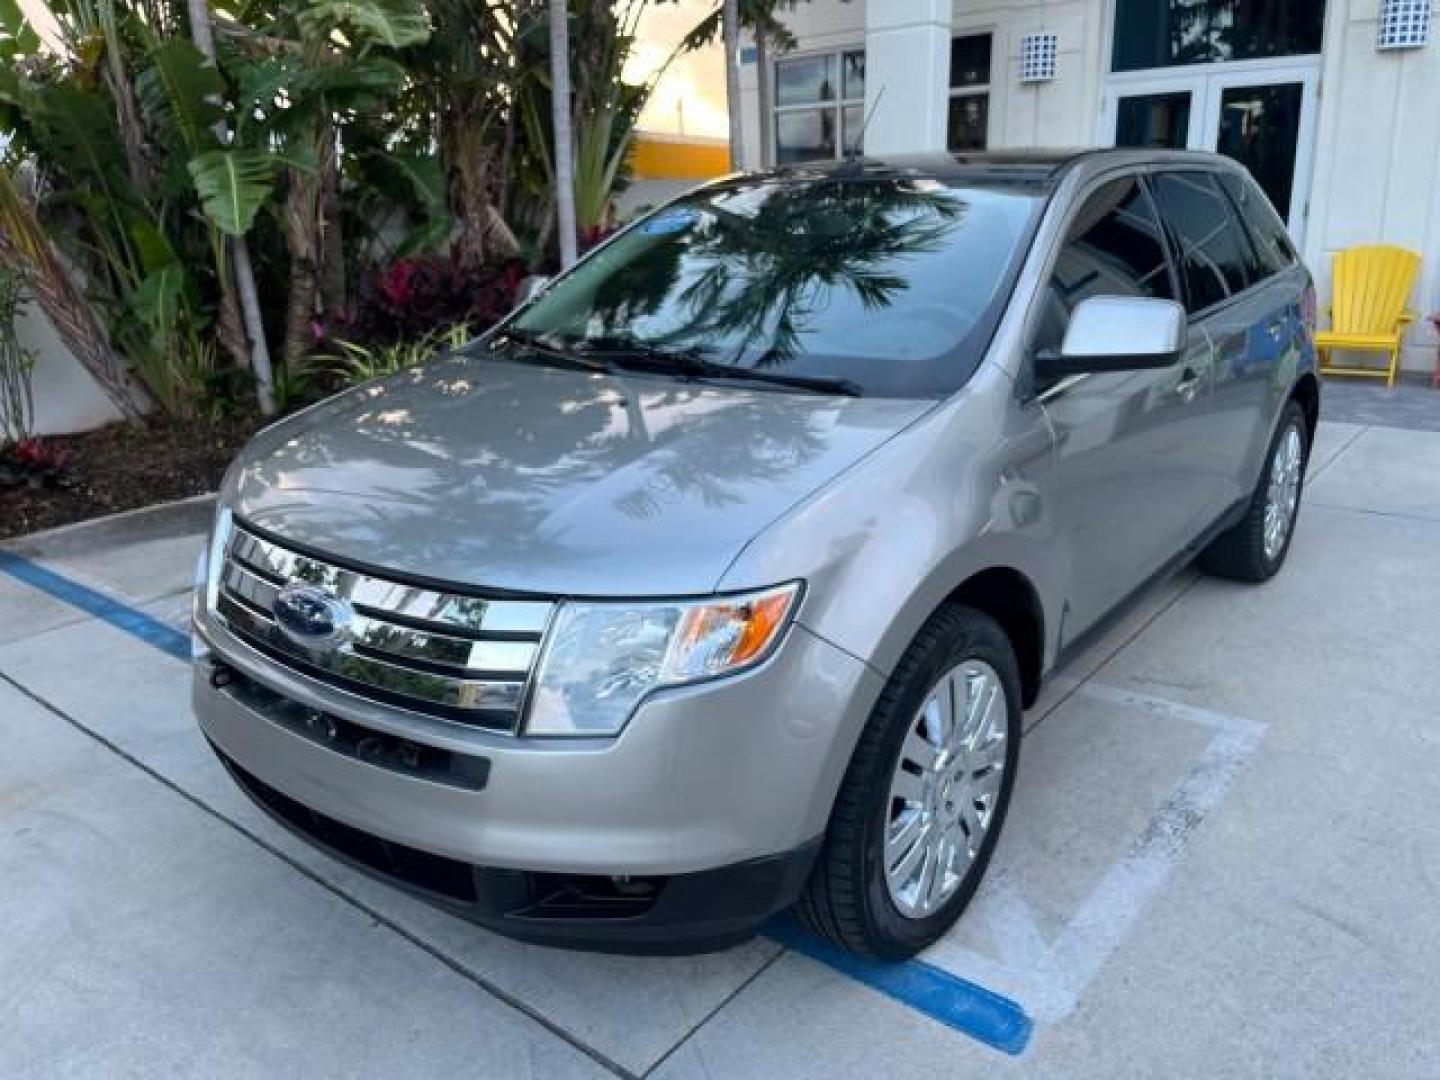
point(716, 578)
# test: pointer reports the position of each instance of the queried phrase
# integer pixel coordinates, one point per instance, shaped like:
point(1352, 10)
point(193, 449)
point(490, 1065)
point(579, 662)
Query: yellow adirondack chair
point(1369, 286)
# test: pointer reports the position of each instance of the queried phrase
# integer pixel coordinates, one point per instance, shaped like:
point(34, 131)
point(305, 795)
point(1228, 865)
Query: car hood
point(516, 476)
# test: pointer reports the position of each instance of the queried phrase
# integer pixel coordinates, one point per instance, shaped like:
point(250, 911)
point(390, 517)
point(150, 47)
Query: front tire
point(1254, 549)
point(925, 795)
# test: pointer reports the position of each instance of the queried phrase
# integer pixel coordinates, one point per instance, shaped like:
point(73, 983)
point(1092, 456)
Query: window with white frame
point(969, 121)
point(819, 105)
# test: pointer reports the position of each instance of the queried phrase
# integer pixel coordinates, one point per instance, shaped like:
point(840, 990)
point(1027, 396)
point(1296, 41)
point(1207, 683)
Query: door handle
point(1188, 385)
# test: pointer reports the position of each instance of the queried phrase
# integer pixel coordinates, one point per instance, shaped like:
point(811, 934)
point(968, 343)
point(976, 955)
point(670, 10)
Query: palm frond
point(233, 185)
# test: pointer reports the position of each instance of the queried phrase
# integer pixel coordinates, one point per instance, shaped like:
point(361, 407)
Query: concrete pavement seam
point(1398, 515)
point(376, 916)
point(1310, 477)
point(1112, 654)
point(724, 1002)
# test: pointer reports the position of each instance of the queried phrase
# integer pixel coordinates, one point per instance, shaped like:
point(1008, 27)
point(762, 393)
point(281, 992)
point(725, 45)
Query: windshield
point(892, 284)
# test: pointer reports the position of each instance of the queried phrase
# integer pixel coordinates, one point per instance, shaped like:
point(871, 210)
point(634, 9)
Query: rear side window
point(1113, 248)
point(1273, 250)
point(1213, 251)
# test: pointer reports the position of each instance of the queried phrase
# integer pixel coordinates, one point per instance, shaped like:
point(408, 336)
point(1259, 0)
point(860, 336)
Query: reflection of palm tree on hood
point(766, 275)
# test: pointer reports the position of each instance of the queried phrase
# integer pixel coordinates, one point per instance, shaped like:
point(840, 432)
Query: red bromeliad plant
point(420, 295)
point(33, 462)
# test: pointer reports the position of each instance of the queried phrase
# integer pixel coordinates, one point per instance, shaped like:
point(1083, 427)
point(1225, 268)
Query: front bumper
point(707, 808)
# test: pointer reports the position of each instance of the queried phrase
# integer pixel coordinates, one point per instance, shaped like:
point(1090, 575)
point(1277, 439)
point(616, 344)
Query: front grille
point(454, 655)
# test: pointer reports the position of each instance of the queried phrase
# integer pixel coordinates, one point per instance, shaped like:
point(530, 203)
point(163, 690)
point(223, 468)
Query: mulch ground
point(122, 467)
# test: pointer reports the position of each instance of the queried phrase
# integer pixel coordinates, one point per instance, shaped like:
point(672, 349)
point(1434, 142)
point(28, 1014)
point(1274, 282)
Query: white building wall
point(1377, 162)
point(67, 399)
point(1061, 112)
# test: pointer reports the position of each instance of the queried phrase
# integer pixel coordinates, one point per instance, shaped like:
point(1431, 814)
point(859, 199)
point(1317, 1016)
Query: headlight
point(207, 568)
point(601, 659)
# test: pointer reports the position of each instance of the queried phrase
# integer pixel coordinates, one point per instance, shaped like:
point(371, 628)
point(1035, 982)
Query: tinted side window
point(1113, 248)
point(1273, 249)
point(1213, 248)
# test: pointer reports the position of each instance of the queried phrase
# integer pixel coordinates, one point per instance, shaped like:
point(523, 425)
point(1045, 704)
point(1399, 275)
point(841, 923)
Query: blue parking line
point(122, 616)
point(957, 1003)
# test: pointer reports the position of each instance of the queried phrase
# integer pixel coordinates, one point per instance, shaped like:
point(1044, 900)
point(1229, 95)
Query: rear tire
point(1252, 550)
point(867, 893)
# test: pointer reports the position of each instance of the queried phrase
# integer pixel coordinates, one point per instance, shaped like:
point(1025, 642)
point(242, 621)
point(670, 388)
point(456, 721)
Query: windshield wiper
point(690, 363)
point(528, 339)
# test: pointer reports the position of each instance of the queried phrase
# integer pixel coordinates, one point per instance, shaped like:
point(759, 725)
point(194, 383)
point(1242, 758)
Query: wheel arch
point(1306, 394)
point(1011, 599)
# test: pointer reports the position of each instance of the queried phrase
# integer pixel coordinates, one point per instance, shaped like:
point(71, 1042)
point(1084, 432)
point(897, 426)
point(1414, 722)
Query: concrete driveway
point(1223, 859)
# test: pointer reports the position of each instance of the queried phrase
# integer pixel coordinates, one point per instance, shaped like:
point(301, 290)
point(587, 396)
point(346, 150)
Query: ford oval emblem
point(311, 617)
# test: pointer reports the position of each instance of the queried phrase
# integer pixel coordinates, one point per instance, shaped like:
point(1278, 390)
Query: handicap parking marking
point(118, 614)
point(957, 1003)
point(953, 984)
point(1051, 976)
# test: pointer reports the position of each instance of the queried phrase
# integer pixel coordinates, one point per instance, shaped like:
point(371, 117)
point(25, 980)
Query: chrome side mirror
point(1117, 333)
point(530, 288)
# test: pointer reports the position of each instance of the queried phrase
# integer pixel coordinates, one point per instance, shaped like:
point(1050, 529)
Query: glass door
point(1266, 121)
point(1162, 114)
point(1260, 114)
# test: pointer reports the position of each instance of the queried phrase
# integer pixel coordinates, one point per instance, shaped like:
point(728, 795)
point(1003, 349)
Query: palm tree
point(560, 118)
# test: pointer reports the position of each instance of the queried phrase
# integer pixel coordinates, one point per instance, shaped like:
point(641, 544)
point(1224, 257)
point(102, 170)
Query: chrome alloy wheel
point(1284, 491)
point(945, 788)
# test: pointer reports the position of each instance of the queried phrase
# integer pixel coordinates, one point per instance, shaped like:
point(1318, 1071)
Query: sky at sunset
point(691, 95)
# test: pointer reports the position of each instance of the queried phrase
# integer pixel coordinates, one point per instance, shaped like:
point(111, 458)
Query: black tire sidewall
point(1290, 417)
point(974, 636)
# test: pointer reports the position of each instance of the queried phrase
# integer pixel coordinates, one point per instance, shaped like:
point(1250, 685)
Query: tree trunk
point(230, 320)
point(301, 216)
point(470, 165)
point(762, 71)
point(202, 33)
point(333, 292)
point(731, 33)
point(564, 139)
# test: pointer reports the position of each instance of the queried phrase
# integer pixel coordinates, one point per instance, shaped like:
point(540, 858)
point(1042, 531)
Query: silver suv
point(718, 575)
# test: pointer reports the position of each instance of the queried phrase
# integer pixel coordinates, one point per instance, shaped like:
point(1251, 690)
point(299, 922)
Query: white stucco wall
point(1061, 112)
point(67, 399)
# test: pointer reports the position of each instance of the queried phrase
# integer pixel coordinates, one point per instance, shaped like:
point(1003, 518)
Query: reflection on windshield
point(888, 281)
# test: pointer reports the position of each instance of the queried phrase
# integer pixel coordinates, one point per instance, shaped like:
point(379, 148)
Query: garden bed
point(122, 467)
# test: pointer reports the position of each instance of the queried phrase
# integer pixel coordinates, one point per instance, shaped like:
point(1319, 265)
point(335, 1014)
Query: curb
point(157, 519)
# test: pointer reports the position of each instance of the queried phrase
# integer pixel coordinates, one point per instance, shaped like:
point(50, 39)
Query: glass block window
point(968, 123)
point(819, 106)
point(1404, 24)
point(1038, 54)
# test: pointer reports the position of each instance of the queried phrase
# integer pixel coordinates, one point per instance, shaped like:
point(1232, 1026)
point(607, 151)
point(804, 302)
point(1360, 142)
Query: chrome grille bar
point(494, 618)
point(461, 657)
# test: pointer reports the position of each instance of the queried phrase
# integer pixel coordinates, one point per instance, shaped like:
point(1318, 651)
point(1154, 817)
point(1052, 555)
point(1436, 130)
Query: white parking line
point(1049, 978)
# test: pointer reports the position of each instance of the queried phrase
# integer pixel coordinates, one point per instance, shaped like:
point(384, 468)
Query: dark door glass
point(1267, 232)
point(1213, 254)
point(1160, 121)
point(1260, 128)
point(969, 121)
point(970, 61)
point(1113, 248)
point(1167, 33)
